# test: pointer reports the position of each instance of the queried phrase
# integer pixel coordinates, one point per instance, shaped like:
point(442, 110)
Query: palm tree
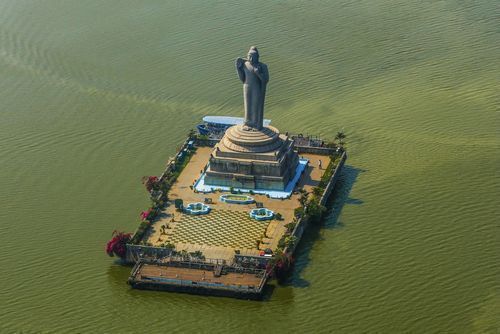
point(340, 136)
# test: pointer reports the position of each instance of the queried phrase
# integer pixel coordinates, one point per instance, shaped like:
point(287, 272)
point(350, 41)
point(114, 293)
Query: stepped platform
point(249, 158)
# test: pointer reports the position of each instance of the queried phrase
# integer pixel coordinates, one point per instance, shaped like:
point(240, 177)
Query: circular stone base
point(241, 138)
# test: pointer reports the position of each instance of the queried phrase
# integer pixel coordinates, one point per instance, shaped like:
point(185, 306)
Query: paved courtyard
point(223, 228)
point(228, 227)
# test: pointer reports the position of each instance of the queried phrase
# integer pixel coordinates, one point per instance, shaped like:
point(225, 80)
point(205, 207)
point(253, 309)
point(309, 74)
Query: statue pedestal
point(252, 159)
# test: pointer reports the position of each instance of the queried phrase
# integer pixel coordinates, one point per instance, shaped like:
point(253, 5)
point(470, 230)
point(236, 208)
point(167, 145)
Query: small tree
point(117, 244)
point(168, 245)
point(303, 197)
point(145, 215)
point(317, 191)
point(290, 226)
point(151, 183)
point(314, 209)
point(340, 135)
point(340, 138)
point(184, 254)
point(179, 204)
point(299, 212)
point(290, 241)
point(279, 264)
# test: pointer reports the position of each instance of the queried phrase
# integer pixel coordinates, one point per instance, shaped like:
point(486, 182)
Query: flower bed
point(197, 209)
point(261, 214)
point(237, 199)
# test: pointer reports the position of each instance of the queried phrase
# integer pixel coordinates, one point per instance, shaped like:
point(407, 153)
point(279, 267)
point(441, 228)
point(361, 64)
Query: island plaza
point(235, 207)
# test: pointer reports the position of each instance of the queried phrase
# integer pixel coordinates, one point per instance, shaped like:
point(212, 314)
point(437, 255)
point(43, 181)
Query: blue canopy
point(228, 120)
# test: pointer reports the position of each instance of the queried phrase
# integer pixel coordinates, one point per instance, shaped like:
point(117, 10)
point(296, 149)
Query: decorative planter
point(197, 209)
point(237, 199)
point(261, 214)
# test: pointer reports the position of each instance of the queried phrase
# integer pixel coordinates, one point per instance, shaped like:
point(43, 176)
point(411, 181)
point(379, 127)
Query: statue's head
point(253, 55)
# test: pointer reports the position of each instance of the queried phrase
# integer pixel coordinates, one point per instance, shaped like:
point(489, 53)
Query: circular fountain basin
point(237, 199)
point(197, 209)
point(261, 214)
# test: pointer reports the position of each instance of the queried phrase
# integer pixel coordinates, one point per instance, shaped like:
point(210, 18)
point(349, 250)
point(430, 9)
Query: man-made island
point(227, 213)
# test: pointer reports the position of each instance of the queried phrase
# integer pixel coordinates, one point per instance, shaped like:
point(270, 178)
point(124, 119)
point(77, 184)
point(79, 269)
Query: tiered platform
point(201, 185)
point(248, 158)
point(247, 140)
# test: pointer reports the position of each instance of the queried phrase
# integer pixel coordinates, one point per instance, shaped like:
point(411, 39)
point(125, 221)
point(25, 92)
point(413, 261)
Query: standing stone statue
point(254, 76)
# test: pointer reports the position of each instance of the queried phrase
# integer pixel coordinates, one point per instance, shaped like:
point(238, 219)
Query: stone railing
point(303, 222)
point(171, 163)
point(206, 142)
point(137, 252)
point(331, 184)
point(256, 261)
point(152, 254)
point(317, 150)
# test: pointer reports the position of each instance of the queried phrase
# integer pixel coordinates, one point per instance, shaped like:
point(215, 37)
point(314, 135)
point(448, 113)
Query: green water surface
point(96, 94)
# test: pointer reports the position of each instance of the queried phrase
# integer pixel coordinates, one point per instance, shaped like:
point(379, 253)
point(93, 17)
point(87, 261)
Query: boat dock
point(198, 277)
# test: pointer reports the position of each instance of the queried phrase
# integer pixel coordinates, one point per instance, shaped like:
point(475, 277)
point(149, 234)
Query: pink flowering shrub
point(280, 264)
point(116, 246)
point(150, 182)
point(145, 214)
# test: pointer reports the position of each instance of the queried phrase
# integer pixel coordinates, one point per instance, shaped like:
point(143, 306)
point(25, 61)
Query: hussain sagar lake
point(96, 94)
point(236, 225)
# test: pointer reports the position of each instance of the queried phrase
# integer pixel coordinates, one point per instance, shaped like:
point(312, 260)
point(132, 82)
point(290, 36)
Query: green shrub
point(139, 234)
point(299, 212)
point(168, 245)
point(290, 226)
point(317, 191)
point(179, 203)
point(198, 255)
point(290, 241)
point(281, 243)
point(314, 209)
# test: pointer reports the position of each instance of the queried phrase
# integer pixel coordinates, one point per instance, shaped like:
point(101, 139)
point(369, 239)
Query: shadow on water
point(337, 201)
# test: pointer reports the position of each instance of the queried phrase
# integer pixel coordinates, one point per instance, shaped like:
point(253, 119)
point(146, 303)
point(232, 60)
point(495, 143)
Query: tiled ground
point(219, 228)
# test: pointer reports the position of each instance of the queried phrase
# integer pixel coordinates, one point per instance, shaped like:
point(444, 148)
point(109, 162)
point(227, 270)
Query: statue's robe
point(254, 92)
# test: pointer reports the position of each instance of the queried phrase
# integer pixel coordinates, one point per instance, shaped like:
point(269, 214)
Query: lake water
point(96, 94)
